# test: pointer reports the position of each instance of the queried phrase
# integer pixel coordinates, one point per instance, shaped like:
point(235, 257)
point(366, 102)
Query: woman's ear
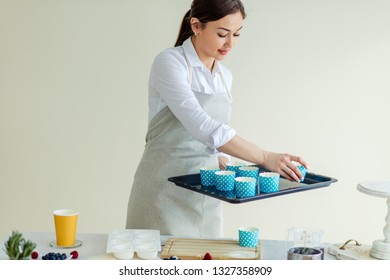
point(195, 25)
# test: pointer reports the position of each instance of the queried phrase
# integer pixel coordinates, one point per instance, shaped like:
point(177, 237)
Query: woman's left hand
point(222, 161)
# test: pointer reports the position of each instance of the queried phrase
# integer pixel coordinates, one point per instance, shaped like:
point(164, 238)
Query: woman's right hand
point(276, 162)
point(282, 164)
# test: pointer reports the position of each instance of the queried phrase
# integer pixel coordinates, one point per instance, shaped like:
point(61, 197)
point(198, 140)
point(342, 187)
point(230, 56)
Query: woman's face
point(218, 37)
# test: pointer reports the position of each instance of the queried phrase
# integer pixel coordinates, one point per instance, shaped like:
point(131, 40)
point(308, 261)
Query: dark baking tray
point(312, 181)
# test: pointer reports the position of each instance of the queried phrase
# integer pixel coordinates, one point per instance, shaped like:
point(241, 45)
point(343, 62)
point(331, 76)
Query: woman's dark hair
point(205, 11)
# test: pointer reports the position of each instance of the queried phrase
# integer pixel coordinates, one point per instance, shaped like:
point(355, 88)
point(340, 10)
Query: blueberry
point(54, 256)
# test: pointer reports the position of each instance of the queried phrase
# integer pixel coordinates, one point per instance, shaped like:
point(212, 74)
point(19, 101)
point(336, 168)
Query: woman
point(189, 111)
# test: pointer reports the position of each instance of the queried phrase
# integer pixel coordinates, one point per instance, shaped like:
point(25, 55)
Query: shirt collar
point(193, 58)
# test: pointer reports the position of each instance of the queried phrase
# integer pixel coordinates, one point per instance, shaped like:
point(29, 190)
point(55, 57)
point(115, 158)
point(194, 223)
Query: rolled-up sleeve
point(169, 77)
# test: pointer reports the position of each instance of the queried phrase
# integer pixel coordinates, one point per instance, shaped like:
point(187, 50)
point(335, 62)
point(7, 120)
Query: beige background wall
point(311, 78)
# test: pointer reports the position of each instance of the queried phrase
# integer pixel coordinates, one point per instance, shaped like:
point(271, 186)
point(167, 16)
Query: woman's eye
point(222, 35)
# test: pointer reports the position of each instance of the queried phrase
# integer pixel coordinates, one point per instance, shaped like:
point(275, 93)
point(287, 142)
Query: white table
point(94, 246)
point(380, 248)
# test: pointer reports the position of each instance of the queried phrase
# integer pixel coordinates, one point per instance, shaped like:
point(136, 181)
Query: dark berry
point(74, 254)
point(172, 258)
point(34, 255)
point(207, 256)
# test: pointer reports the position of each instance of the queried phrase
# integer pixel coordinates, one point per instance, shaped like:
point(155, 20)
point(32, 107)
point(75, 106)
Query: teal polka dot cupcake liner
point(224, 180)
point(248, 171)
point(245, 187)
point(207, 176)
point(234, 166)
point(302, 169)
point(248, 236)
point(269, 182)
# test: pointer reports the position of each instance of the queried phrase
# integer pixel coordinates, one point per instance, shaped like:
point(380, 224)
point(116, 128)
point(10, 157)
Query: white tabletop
point(94, 246)
point(375, 188)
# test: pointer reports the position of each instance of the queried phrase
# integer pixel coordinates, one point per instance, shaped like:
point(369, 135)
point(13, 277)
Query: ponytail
point(185, 29)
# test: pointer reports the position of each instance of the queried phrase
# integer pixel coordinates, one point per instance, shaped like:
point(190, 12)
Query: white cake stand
point(380, 248)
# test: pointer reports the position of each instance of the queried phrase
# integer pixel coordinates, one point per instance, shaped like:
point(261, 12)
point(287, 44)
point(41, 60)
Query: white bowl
point(147, 255)
point(147, 251)
point(124, 251)
point(124, 255)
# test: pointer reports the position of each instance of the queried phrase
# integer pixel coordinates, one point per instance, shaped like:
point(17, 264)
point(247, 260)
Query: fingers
point(222, 162)
point(300, 160)
point(222, 165)
point(285, 166)
point(292, 170)
point(285, 175)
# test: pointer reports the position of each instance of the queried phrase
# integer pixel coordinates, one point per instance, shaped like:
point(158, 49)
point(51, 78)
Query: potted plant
point(18, 248)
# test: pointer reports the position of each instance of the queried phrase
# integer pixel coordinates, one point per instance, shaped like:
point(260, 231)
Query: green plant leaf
point(17, 247)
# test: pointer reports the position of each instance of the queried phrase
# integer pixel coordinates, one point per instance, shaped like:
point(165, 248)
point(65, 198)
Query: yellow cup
point(65, 221)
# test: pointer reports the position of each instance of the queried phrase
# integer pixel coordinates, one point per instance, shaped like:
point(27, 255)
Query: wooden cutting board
point(219, 249)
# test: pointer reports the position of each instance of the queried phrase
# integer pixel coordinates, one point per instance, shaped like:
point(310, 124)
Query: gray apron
point(170, 150)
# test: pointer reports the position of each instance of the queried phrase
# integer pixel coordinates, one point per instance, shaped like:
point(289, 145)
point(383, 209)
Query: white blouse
point(169, 86)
